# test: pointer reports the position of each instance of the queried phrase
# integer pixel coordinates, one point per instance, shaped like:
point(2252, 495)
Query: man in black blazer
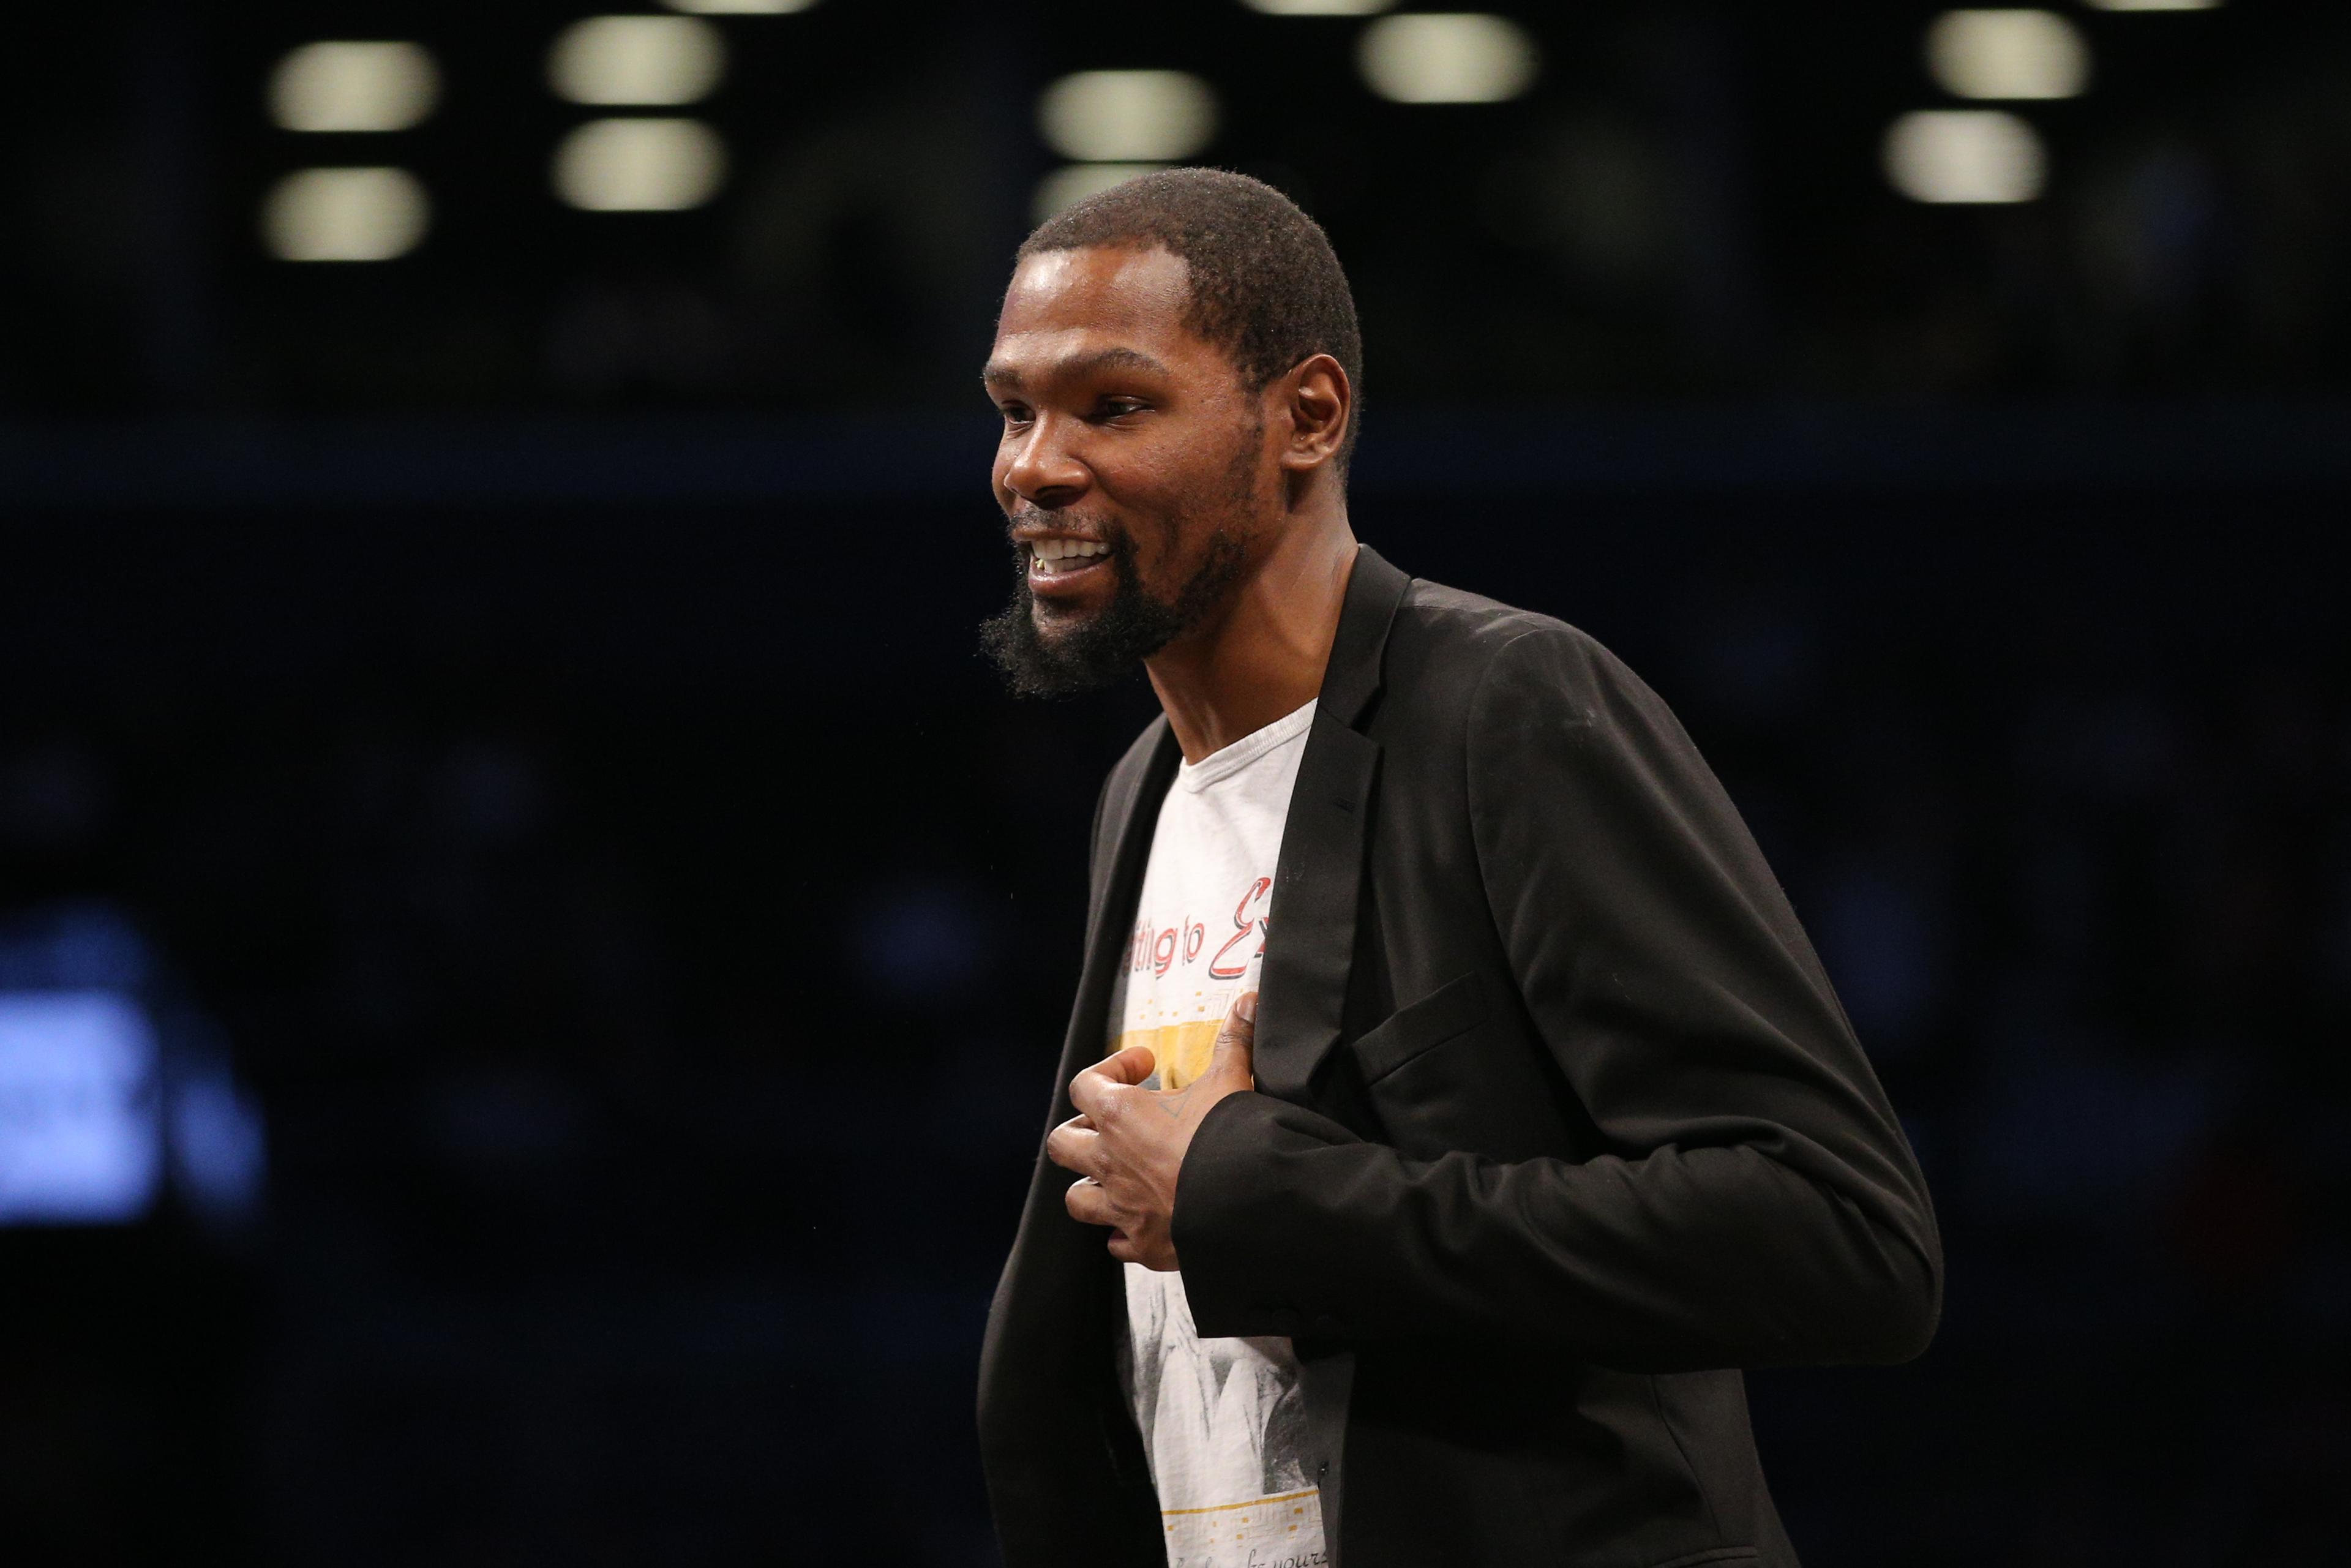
point(1546, 1122)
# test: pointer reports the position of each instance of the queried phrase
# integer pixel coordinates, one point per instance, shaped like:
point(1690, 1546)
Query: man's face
point(1130, 468)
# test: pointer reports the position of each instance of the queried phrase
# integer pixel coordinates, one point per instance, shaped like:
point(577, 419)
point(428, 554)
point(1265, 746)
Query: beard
point(1096, 652)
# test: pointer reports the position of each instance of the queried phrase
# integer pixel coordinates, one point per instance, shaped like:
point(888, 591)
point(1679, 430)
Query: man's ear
point(1319, 401)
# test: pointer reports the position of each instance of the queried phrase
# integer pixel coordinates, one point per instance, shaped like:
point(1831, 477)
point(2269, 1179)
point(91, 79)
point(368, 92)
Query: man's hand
point(1127, 1143)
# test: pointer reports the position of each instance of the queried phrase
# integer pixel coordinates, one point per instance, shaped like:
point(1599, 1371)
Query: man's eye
point(1114, 407)
point(1014, 414)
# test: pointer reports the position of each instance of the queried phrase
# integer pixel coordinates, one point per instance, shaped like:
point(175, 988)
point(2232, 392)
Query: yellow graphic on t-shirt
point(1281, 1531)
point(1181, 1049)
point(1180, 1044)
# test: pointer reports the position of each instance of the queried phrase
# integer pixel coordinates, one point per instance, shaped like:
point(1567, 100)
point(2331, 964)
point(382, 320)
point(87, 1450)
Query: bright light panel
point(344, 215)
point(2153, 4)
point(640, 165)
point(1319, 8)
point(1970, 155)
point(80, 1136)
point(2007, 55)
point(1448, 58)
point(352, 85)
point(739, 7)
point(656, 60)
point(1125, 116)
point(1066, 187)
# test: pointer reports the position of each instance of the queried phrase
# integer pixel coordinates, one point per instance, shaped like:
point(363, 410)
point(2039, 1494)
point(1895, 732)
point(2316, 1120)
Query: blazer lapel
point(1046, 1365)
point(1118, 883)
point(1311, 934)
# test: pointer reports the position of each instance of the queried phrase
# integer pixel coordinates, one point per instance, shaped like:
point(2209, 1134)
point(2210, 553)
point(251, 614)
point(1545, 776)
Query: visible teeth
point(1049, 551)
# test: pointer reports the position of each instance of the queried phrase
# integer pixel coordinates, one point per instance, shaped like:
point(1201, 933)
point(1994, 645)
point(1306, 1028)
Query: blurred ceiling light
point(739, 7)
point(1123, 116)
point(2153, 4)
point(1319, 8)
point(2007, 54)
point(344, 215)
point(1448, 58)
point(349, 86)
point(1971, 155)
point(1066, 187)
point(636, 61)
point(640, 165)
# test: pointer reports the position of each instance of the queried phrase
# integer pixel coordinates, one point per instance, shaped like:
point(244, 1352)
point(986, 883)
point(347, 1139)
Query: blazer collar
point(1374, 590)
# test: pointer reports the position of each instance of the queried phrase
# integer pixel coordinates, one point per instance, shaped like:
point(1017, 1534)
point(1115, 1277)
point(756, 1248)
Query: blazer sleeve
point(1757, 1204)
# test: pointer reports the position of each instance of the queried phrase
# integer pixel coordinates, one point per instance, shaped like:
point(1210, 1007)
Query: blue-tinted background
point(507, 718)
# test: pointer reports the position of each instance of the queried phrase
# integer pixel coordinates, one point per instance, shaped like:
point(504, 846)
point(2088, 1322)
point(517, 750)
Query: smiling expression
point(1130, 444)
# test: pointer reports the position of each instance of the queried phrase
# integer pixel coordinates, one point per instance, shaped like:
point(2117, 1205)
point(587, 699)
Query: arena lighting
point(2007, 54)
point(640, 165)
point(739, 7)
point(80, 1139)
point(636, 61)
point(1319, 8)
point(344, 215)
point(1127, 116)
point(352, 85)
point(2154, 5)
point(1065, 187)
point(1965, 156)
point(1448, 58)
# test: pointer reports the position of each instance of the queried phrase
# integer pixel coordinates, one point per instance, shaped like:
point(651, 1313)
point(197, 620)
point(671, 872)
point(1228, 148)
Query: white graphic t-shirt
point(1221, 1418)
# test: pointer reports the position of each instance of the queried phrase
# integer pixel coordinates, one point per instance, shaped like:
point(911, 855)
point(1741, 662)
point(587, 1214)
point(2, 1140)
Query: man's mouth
point(1050, 559)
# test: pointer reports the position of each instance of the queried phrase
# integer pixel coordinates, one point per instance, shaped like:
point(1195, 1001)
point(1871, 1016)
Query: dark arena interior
point(498, 782)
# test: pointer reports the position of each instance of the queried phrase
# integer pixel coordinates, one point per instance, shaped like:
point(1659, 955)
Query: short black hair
point(1265, 285)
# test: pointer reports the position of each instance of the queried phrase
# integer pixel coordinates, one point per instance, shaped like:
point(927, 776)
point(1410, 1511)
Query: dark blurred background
point(532, 952)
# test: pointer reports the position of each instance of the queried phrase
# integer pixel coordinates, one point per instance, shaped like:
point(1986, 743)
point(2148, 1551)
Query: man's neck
point(1264, 656)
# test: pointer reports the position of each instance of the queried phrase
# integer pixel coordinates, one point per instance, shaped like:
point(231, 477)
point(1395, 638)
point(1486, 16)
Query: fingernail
point(1245, 1008)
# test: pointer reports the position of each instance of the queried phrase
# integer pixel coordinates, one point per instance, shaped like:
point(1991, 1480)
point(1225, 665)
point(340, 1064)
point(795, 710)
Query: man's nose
point(1042, 470)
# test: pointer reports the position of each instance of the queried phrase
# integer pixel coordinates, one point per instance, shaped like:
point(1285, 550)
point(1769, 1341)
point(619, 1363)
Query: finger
point(1235, 1050)
point(1074, 1146)
point(1132, 1065)
point(1089, 1205)
point(1091, 1090)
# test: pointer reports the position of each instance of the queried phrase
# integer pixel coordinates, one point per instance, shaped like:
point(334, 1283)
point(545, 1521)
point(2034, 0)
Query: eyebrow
point(1002, 375)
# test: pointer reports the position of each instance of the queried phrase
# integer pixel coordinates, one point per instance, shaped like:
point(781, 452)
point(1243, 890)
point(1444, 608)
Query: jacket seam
point(1657, 1403)
point(1711, 1554)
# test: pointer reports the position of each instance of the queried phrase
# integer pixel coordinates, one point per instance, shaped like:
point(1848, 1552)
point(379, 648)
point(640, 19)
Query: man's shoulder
point(1448, 646)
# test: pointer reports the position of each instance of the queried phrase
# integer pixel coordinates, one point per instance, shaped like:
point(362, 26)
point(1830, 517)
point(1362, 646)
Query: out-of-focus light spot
point(219, 1155)
point(640, 165)
point(738, 7)
point(1448, 58)
point(344, 215)
point(656, 60)
point(1319, 8)
point(351, 85)
point(1066, 187)
point(1125, 116)
point(78, 1134)
point(2154, 5)
point(1978, 155)
point(2007, 54)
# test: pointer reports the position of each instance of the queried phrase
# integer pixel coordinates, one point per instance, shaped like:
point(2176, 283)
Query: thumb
point(1237, 1041)
point(1132, 1065)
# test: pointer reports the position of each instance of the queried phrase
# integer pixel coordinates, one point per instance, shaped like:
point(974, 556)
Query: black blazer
point(1557, 1124)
